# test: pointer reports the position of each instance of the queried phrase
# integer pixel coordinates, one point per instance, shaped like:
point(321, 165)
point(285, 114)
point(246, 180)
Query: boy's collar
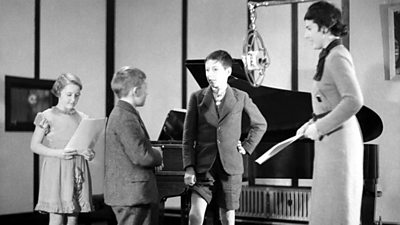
point(219, 90)
point(128, 101)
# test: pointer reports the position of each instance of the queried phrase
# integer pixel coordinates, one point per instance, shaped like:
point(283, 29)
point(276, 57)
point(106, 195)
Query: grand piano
point(285, 111)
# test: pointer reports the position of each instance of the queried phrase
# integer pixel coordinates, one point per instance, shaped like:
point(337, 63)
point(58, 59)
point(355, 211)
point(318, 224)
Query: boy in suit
point(212, 150)
point(130, 184)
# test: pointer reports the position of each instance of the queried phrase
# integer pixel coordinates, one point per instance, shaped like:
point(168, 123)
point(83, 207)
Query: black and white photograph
point(199, 112)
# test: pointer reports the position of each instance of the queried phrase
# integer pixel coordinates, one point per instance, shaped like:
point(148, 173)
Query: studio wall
point(148, 36)
point(17, 59)
point(367, 31)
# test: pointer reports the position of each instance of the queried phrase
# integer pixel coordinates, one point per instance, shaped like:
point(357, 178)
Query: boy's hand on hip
point(240, 148)
point(190, 176)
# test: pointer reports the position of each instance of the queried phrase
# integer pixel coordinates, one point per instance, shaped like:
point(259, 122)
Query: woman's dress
point(338, 164)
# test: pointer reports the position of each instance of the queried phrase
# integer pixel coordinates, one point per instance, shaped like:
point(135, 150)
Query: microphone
point(255, 58)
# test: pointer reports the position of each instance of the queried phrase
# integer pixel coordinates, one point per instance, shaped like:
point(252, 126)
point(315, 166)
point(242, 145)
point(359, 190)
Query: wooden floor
point(42, 219)
point(169, 219)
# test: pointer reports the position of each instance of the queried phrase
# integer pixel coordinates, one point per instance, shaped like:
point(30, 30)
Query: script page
point(277, 148)
point(86, 134)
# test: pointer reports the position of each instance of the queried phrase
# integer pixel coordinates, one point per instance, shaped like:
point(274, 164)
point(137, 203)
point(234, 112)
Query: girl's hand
point(88, 154)
point(67, 154)
point(240, 148)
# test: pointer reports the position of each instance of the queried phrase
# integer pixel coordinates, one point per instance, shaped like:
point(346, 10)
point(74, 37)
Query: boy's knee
point(227, 216)
point(195, 217)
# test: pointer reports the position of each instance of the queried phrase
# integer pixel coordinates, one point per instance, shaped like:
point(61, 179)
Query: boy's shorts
point(224, 187)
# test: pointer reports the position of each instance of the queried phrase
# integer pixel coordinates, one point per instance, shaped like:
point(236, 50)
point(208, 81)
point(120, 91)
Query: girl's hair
point(63, 80)
point(125, 79)
point(325, 14)
point(221, 56)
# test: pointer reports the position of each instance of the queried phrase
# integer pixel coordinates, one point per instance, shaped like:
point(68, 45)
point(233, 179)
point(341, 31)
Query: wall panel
point(17, 59)
point(274, 25)
point(148, 36)
point(366, 46)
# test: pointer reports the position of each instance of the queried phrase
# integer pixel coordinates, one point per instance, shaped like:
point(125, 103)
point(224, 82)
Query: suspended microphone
point(255, 58)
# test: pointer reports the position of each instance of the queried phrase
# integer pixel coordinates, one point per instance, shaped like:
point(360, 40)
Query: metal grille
point(253, 202)
point(275, 203)
point(289, 204)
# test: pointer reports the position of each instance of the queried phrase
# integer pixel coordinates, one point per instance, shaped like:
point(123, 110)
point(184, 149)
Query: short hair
point(63, 80)
point(325, 14)
point(125, 79)
point(221, 56)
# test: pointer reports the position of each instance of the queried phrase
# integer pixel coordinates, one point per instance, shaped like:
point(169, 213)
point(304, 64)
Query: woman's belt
point(321, 115)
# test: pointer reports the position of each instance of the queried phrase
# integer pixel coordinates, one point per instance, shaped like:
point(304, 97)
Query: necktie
point(218, 95)
point(218, 98)
point(322, 56)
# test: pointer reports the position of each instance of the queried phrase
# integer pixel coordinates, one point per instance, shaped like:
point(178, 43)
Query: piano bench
point(101, 213)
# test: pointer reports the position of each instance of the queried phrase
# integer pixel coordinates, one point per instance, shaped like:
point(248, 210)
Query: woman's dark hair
point(325, 14)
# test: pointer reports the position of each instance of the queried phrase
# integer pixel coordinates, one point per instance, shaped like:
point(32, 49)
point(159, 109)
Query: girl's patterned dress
point(65, 185)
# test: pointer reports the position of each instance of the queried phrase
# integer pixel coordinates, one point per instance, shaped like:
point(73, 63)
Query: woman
point(336, 98)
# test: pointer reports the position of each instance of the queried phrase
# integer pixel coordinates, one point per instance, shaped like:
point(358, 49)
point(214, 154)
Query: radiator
point(254, 202)
point(282, 203)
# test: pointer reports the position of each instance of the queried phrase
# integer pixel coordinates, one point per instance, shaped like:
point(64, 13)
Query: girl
point(65, 185)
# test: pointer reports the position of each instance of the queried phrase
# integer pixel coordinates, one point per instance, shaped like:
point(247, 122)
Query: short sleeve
point(42, 122)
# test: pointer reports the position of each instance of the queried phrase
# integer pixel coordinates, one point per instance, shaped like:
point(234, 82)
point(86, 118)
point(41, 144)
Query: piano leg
point(161, 211)
point(369, 202)
point(185, 207)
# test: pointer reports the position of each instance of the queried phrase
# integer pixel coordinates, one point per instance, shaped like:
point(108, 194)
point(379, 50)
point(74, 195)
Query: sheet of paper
point(86, 134)
point(277, 148)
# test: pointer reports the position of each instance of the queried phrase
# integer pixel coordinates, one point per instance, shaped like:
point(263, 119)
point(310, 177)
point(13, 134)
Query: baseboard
point(29, 218)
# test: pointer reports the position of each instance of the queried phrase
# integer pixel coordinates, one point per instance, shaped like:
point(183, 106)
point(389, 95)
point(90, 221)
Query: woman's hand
point(67, 153)
point(302, 129)
point(312, 132)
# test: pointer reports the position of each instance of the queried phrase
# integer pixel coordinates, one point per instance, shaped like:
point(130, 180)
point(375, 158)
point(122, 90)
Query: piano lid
point(284, 110)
